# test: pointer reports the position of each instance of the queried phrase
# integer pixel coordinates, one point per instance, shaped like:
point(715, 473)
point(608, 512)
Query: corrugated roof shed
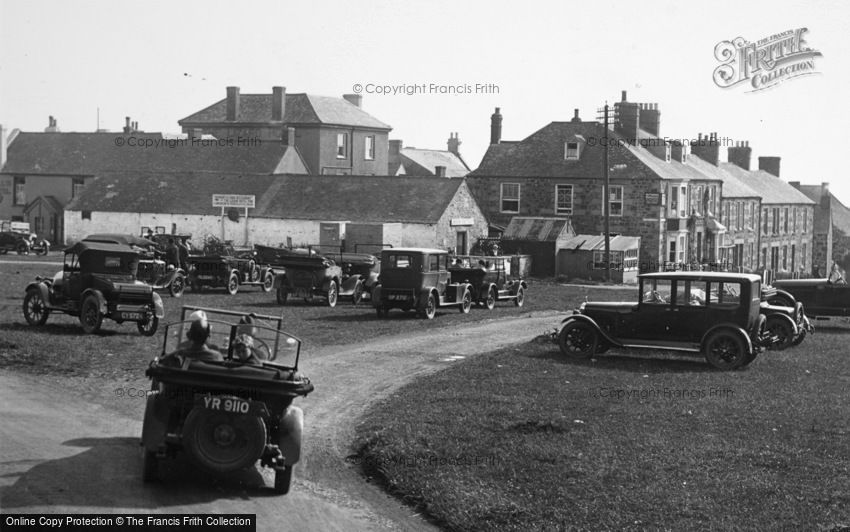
point(539, 229)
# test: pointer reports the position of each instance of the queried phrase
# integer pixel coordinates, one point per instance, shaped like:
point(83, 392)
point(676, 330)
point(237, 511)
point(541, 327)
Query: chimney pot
point(454, 144)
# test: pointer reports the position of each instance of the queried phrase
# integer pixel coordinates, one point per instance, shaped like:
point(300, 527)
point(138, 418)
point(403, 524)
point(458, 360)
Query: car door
point(689, 311)
point(649, 322)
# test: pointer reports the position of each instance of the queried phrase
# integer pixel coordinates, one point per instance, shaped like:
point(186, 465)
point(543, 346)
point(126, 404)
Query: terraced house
point(670, 194)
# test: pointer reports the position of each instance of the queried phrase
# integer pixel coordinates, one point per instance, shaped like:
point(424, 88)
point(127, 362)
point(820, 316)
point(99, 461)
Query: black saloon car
point(716, 315)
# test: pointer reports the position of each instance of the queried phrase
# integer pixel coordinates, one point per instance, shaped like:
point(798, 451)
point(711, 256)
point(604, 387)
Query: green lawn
point(523, 439)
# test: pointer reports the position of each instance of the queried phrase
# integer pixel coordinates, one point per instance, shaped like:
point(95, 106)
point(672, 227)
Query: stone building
point(831, 243)
point(432, 163)
point(335, 136)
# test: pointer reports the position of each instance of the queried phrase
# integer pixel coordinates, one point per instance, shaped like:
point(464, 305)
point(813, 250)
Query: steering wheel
point(261, 350)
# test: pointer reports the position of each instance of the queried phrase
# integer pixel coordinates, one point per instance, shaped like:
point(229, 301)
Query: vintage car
point(716, 315)
point(418, 279)
point(360, 273)
point(23, 243)
point(786, 321)
point(152, 270)
point(307, 274)
point(820, 297)
point(488, 280)
point(227, 413)
point(225, 267)
point(97, 281)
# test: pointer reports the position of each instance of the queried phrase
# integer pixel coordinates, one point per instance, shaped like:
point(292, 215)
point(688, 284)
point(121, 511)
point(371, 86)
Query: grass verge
point(522, 439)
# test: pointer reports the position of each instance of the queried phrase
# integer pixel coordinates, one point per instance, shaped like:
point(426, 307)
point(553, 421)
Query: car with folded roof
point(714, 315)
point(820, 297)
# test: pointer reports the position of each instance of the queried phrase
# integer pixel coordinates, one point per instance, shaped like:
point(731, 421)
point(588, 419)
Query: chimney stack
point(290, 136)
point(575, 116)
point(707, 148)
point(624, 98)
point(496, 127)
point(278, 103)
point(740, 154)
point(770, 165)
point(824, 194)
point(355, 99)
point(678, 152)
point(395, 147)
point(628, 118)
point(454, 144)
point(440, 171)
point(51, 125)
point(232, 103)
point(649, 119)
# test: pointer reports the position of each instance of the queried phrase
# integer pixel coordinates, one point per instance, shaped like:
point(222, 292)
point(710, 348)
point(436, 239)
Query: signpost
point(246, 201)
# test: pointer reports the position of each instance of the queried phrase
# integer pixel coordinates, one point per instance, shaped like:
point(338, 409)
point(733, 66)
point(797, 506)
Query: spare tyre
point(222, 442)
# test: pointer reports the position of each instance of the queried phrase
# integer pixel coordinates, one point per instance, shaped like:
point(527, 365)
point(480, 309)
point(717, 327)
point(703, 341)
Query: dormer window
point(571, 150)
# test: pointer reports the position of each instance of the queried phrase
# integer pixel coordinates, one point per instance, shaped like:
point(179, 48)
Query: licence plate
point(206, 277)
point(132, 316)
point(398, 297)
point(227, 404)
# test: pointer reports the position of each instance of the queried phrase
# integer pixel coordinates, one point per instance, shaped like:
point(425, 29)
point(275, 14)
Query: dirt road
point(67, 450)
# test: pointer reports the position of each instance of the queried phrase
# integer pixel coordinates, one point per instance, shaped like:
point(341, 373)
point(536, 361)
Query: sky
point(158, 62)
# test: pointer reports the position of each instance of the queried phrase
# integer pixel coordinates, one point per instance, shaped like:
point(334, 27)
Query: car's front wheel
point(357, 296)
point(520, 297)
point(466, 304)
point(90, 316)
point(490, 302)
point(35, 310)
point(782, 333)
point(283, 479)
point(333, 294)
point(268, 282)
point(725, 350)
point(177, 286)
point(233, 284)
point(148, 327)
point(578, 339)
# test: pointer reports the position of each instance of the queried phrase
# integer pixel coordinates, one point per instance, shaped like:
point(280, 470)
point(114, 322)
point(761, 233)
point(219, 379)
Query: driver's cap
point(198, 315)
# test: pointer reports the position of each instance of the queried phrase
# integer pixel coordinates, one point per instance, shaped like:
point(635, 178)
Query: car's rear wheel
point(490, 302)
point(177, 286)
point(148, 327)
point(520, 297)
point(44, 249)
point(782, 331)
point(34, 308)
point(90, 316)
point(268, 282)
point(281, 295)
point(429, 310)
point(333, 294)
point(357, 296)
point(725, 350)
point(578, 339)
point(233, 284)
point(150, 468)
point(466, 303)
point(223, 442)
point(283, 479)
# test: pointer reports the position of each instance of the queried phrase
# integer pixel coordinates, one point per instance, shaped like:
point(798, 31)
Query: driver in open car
point(195, 347)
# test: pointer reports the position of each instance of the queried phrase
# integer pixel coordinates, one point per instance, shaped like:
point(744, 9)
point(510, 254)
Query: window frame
point(568, 152)
point(342, 145)
point(621, 201)
point(503, 199)
point(558, 208)
point(369, 147)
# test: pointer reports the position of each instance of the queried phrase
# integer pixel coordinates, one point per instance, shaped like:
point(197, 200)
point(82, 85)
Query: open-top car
point(97, 281)
point(223, 266)
point(17, 237)
point(821, 297)
point(786, 317)
point(418, 279)
point(222, 391)
point(152, 269)
point(488, 280)
point(307, 274)
point(716, 315)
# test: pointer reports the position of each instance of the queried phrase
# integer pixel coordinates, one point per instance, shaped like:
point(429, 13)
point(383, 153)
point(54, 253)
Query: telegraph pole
point(606, 202)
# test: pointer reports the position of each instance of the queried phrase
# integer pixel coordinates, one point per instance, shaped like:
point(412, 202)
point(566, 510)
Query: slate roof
point(93, 153)
point(298, 109)
point(593, 242)
point(424, 162)
point(838, 212)
point(538, 229)
point(770, 188)
point(367, 199)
